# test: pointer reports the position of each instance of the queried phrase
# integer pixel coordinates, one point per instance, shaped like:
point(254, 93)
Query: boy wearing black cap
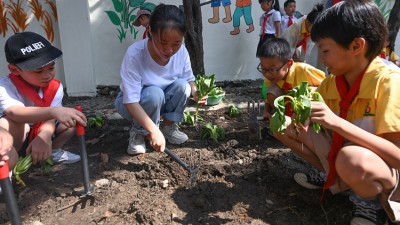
point(30, 101)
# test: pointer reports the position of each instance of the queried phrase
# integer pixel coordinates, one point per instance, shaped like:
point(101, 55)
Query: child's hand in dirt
point(157, 140)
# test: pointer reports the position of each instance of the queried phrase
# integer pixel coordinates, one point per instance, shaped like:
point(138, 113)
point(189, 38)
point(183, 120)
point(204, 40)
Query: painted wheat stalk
point(53, 8)
point(19, 15)
point(48, 26)
point(37, 9)
point(3, 19)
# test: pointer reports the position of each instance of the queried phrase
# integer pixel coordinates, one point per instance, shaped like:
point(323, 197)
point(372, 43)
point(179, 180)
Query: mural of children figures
point(215, 4)
point(243, 8)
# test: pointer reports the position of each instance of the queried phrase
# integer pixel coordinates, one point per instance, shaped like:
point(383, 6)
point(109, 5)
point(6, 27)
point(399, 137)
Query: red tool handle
point(4, 171)
point(80, 130)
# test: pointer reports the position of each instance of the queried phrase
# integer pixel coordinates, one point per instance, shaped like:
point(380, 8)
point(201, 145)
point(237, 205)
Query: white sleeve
point(277, 16)
point(9, 95)
point(187, 72)
point(131, 78)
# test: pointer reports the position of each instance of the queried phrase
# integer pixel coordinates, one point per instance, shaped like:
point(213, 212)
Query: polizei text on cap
point(33, 47)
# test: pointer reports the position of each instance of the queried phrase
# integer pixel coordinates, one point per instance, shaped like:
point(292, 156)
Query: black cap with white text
point(30, 51)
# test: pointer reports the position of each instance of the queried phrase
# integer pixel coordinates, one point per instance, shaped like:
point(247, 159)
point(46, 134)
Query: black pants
point(262, 40)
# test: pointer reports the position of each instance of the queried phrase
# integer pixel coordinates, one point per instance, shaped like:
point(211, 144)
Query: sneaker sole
point(301, 179)
point(135, 152)
point(69, 161)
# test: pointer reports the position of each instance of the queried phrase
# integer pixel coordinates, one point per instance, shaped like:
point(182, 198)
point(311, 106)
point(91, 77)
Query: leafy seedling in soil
point(25, 163)
point(189, 118)
point(299, 98)
point(212, 131)
point(96, 121)
point(233, 111)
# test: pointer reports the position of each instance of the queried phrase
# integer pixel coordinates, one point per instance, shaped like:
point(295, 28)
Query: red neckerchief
point(145, 32)
point(303, 42)
point(335, 1)
point(290, 21)
point(289, 110)
point(25, 89)
point(382, 55)
point(346, 98)
point(264, 23)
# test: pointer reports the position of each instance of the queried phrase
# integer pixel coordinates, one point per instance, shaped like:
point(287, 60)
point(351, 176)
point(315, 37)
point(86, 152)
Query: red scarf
point(303, 42)
point(290, 21)
point(289, 110)
point(145, 32)
point(382, 55)
point(335, 1)
point(347, 96)
point(25, 89)
point(264, 29)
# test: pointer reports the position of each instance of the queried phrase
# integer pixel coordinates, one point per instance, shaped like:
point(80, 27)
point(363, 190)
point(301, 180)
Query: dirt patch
point(240, 181)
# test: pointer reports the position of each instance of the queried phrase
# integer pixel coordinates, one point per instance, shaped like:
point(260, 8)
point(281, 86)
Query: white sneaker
point(173, 135)
point(66, 157)
point(136, 143)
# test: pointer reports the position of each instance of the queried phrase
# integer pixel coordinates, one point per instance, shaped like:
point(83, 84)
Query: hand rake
point(254, 126)
point(193, 169)
point(80, 133)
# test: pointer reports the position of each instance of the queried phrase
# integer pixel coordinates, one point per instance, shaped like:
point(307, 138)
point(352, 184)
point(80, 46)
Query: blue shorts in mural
point(217, 3)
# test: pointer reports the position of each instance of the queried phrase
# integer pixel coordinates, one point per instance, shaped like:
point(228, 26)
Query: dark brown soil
point(240, 181)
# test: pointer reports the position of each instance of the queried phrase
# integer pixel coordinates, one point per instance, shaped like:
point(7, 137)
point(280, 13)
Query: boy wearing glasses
point(281, 73)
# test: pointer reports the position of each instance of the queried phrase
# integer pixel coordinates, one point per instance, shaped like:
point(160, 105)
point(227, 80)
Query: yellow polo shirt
point(298, 73)
point(376, 107)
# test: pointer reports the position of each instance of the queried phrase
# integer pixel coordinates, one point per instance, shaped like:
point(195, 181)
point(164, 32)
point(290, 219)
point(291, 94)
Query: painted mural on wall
point(385, 6)
point(124, 15)
point(14, 18)
point(243, 9)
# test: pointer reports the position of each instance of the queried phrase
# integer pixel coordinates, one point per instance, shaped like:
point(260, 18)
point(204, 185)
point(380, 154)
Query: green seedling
point(25, 163)
point(188, 118)
point(300, 99)
point(205, 84)
point(212, 131)
point(233, 111)
point(216, 92)
point(96, 121)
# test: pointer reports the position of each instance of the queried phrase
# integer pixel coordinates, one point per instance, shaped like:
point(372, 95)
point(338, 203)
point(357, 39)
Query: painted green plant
point(385, 6)
point(124, 14)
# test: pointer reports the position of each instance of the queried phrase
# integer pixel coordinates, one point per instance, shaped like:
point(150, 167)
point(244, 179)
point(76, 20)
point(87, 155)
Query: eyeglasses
point(270, 70)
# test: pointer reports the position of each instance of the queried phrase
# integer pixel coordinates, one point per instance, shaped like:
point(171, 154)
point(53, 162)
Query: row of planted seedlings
point(206, 87)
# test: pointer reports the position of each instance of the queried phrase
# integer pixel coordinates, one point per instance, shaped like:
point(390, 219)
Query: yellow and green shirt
point(375, 108)
point(298, 73)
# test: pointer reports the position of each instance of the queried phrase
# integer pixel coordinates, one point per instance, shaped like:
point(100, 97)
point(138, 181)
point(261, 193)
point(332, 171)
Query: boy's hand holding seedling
point(300, 99)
